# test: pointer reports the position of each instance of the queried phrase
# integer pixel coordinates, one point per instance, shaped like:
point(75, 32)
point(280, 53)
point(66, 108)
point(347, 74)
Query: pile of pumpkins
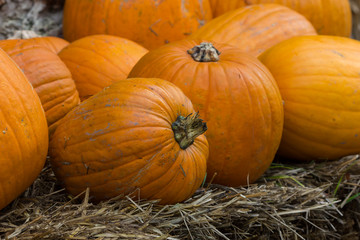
point(151, 98)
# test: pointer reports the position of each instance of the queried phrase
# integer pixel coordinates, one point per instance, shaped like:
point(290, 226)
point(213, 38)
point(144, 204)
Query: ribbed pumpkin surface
point(23, 133)
point(55, 44)
point(329, 17)
point(255, 28)
point(319, 80)
point(147, 22)
point(99, 60)
point(48, 75)
point(121, 140)
point(236, 96)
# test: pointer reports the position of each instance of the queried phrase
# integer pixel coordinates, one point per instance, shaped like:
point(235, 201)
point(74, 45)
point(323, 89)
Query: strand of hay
point(304, 201)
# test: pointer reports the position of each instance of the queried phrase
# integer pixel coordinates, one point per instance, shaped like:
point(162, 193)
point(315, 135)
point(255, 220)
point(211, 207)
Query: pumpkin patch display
point(48, 75)
point(255, 28)
point(330, 17)
point(24, 132)
point(147, 22)
point(138, 136)
point(99, 60)
point(235, 94)
point(319, 80)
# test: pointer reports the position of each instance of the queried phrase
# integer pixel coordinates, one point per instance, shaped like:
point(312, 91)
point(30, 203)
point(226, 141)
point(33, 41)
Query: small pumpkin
point(237, 97)
point(319, 80)
point(330, 17)
point(255, 28)
point(24, 132)
point(99, 60)
point(138, 135)
point(147, 22)
point(48, 75)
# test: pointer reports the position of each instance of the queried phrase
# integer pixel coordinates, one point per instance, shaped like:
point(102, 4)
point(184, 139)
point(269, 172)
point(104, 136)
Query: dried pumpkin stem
point(186, 129)
point(205, 52)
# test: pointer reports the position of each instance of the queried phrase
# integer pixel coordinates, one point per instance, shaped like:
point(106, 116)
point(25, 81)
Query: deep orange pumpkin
point(255, 28)
point(329, 17)
point(319, 79)
point(24, 133)
point(129, 137)
point(55, 44)
point(147, 22)
point(48, 75)
point(235, 94)
point(99, 60)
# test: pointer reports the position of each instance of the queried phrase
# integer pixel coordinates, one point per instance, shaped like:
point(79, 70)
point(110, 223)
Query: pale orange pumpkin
point(138, 136)
point(329, 17)
point(24, 132)
point(319, 80)
point(99, 60)
point(237, 97)
point(48, 75)
point(147, 22)
point(255, 28)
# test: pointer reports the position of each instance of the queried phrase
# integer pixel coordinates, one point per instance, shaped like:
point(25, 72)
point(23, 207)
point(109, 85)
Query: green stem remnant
point(186, 129)
point(205, 52)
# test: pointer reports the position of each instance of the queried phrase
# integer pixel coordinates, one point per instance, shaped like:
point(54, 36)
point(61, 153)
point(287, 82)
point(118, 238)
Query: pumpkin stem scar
point(186, 129)
point(205, 52)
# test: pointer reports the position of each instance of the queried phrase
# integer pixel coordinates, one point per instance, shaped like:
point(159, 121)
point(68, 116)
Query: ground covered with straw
point(291, 201)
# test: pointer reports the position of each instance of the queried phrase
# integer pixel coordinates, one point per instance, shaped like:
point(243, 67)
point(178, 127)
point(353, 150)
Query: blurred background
point(355, 7)
point(29, 18)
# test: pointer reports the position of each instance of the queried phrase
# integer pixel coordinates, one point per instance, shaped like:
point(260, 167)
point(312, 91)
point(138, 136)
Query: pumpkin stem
point(205, 52)
point(186, 129)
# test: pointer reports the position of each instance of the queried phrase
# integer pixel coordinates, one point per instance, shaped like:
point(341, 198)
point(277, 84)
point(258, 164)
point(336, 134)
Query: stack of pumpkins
point(119, 109)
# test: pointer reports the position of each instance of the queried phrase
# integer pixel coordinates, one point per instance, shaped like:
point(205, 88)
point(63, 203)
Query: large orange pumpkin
point(136, 136)
point(150, 23)
point(332, 17)
point(24, 133)
point(49, 76)
point(255, 28)
point(235, 94)
point(319, 79)
point(99, 60)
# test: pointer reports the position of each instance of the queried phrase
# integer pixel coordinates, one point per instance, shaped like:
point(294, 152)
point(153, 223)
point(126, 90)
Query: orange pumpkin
point(255, 28)
point(147, 22)
point(319, 79)
point(330, 17)
point(99, 60)
point(24, 133)
point(237, 97)
point(48, 75)
point(55, 44)
point(138, 136)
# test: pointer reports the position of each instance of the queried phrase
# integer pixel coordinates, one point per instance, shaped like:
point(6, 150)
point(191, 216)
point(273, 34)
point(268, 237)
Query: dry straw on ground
point(309, 201)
